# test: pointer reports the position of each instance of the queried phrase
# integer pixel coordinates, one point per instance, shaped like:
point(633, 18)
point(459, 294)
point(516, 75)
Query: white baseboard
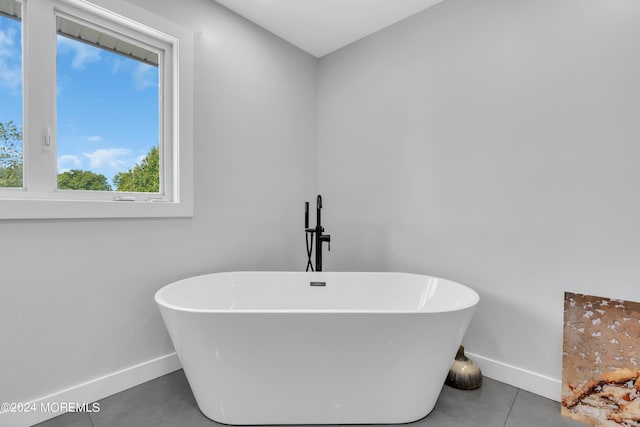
point(534, 382)
point(92, 390)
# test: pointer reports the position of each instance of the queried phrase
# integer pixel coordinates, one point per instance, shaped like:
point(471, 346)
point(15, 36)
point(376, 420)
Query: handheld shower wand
point(306, 235)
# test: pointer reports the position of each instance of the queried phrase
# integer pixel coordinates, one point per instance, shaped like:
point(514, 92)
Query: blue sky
point(10, 71)
point(107, 104)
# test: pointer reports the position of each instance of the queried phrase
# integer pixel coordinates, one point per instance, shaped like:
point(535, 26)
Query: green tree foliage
point(83, 180)
point(144, 177)
point(10, 155)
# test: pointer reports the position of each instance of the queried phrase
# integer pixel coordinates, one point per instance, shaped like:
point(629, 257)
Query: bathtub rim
point(475, 297)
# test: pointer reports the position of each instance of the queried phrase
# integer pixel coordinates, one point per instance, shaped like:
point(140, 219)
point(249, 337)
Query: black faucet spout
point(318, 215)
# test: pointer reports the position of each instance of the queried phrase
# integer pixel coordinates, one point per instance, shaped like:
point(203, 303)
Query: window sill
point(72, 209)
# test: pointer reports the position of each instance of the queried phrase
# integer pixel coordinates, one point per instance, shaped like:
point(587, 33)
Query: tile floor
point(167, 402)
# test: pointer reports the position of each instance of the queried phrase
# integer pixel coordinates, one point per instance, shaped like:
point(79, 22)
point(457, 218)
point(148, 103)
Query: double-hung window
point(95, 110)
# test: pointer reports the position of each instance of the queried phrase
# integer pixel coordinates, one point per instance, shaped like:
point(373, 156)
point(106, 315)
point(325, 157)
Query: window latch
point(47, 138)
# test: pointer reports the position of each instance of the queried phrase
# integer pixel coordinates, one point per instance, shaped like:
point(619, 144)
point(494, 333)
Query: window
point(10, 94)
point(106, 120)
point(108, 113)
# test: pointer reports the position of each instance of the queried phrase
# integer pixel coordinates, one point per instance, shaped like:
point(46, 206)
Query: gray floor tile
point(439, 419)
point(191, 418)
point(70, 419)
point(531, 410)
point(146, 405)
point(168, 402)
point(486, 407)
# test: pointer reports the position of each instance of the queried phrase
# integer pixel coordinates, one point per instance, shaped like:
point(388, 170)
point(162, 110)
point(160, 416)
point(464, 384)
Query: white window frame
point(39, 197)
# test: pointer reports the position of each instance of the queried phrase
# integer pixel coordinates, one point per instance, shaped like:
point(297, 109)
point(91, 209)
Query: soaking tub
point(316, 348)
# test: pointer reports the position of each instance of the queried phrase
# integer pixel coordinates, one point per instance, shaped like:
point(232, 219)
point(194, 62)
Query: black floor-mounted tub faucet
point(319, 236)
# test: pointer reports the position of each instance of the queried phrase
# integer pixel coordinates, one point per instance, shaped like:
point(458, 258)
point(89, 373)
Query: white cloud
point(83, 54)
point(67, 162)
point(115, 158)
point(95, 138)
point(10, 76)
point(141, 76)
point(117, 64)
point(7, 42)
point(10, 62)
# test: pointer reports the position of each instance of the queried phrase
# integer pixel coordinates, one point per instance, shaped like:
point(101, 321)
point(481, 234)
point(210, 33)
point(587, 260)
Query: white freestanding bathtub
point(316, 348)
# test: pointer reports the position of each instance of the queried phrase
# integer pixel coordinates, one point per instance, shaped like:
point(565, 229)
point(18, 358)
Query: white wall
point(76, 297)
point(495, 143)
